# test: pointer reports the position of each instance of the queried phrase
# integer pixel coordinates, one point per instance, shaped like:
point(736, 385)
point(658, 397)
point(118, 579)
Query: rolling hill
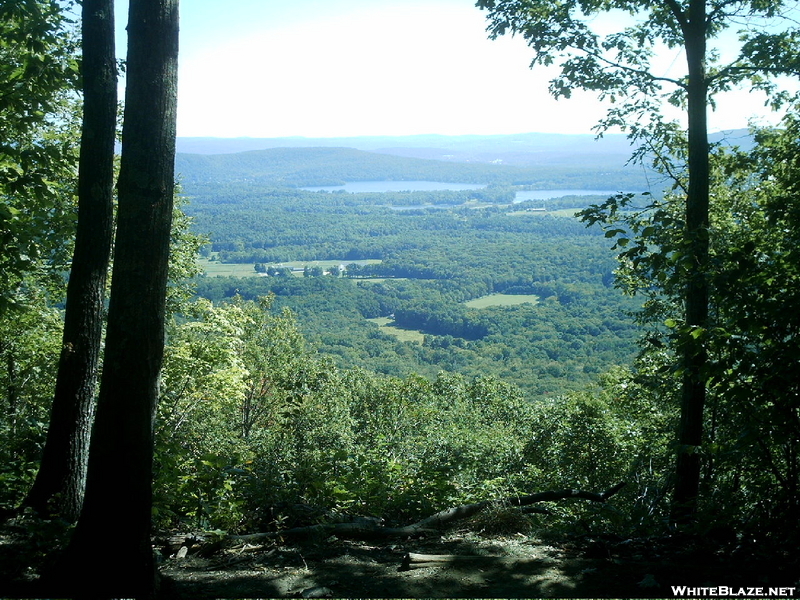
point(317, 166)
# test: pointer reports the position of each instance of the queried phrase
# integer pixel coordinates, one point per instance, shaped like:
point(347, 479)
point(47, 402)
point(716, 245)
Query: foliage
point(544, 349)
point(432, 263)
point(619, 66)
point(38, 153)
point(253, 420)
point(617, 63)
point(252, 423)
point(227, 369)
point(752, 423)
point(30, 342)
point(39, 136)
point(755, 420)
point(185, 245)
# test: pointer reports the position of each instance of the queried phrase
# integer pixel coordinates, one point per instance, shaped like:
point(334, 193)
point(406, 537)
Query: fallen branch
point(371, 529)
point(354, 530)
point(551, 495)
point(466, 511)
point(422, 561)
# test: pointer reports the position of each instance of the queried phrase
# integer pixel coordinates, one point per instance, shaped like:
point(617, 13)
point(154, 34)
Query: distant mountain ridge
point(300, 167)
point(543, 160)
point(518, 149)
point(521, 149)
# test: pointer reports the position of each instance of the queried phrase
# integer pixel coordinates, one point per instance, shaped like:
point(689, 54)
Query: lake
point(550, 194)
point(360, 187)
point(356, 187)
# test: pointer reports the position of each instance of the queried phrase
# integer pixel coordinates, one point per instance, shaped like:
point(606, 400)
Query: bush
point(253, 422)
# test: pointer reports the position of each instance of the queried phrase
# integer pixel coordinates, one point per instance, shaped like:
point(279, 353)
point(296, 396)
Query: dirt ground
point(333, 568)
point(510, 566)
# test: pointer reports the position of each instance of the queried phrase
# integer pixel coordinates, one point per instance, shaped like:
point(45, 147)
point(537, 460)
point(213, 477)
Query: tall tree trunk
point(119, 479)
point(60, 483)
point(690, 429)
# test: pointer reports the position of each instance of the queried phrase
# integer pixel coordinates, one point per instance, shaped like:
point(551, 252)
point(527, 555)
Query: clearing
point(502, 300)
point(404, 335)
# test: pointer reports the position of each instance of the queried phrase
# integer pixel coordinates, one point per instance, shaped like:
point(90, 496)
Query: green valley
point(419, 282)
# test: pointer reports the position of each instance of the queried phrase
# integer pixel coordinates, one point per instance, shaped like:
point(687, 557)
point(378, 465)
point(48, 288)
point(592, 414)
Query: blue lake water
point(356, 187)
point(549, 194)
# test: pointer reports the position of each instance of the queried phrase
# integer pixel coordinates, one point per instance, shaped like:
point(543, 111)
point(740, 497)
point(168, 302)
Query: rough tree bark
point(693, 395)
point(119, 478)
point(59, 485)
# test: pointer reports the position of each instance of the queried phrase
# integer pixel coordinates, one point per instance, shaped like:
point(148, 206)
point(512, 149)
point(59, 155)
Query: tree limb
point(369, 529)
point(413, 561)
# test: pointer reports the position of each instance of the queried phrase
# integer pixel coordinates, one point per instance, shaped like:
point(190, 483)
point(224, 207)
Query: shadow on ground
point(514, 567)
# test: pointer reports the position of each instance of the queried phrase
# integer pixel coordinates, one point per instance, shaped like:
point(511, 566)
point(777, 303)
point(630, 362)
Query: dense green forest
point(425, 265)
point(393, 354)
point(429, 253)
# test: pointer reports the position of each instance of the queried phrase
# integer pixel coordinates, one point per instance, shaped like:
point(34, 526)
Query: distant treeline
point(299, 167)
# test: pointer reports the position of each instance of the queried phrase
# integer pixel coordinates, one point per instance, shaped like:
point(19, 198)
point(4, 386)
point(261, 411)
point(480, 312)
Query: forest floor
point(510, 566)
point(513, 566)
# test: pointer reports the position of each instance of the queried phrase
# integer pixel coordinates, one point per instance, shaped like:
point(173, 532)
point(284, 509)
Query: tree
point(38, 154)
point(120, 471)
point(618, 67)
point(230, 374)
point(756, 341)
point(61, 476)
point(751, 473)
point(38, 145)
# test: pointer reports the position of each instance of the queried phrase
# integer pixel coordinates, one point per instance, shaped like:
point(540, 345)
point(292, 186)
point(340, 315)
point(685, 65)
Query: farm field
point(554, 212)
point(502, 300)
point(215, 268)
point(403, 335)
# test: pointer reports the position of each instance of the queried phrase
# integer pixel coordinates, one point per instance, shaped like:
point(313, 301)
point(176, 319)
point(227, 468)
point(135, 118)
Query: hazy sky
point(323, 68)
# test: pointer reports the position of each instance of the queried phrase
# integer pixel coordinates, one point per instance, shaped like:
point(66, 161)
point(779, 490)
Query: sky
point(340, 68)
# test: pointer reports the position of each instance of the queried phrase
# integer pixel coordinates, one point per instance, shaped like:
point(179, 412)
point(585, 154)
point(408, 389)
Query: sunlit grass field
point(502, 300)
point(412, 335)
point(404, 335)
point(213, 268)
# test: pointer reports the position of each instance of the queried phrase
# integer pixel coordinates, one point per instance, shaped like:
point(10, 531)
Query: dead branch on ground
point(372, 529)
